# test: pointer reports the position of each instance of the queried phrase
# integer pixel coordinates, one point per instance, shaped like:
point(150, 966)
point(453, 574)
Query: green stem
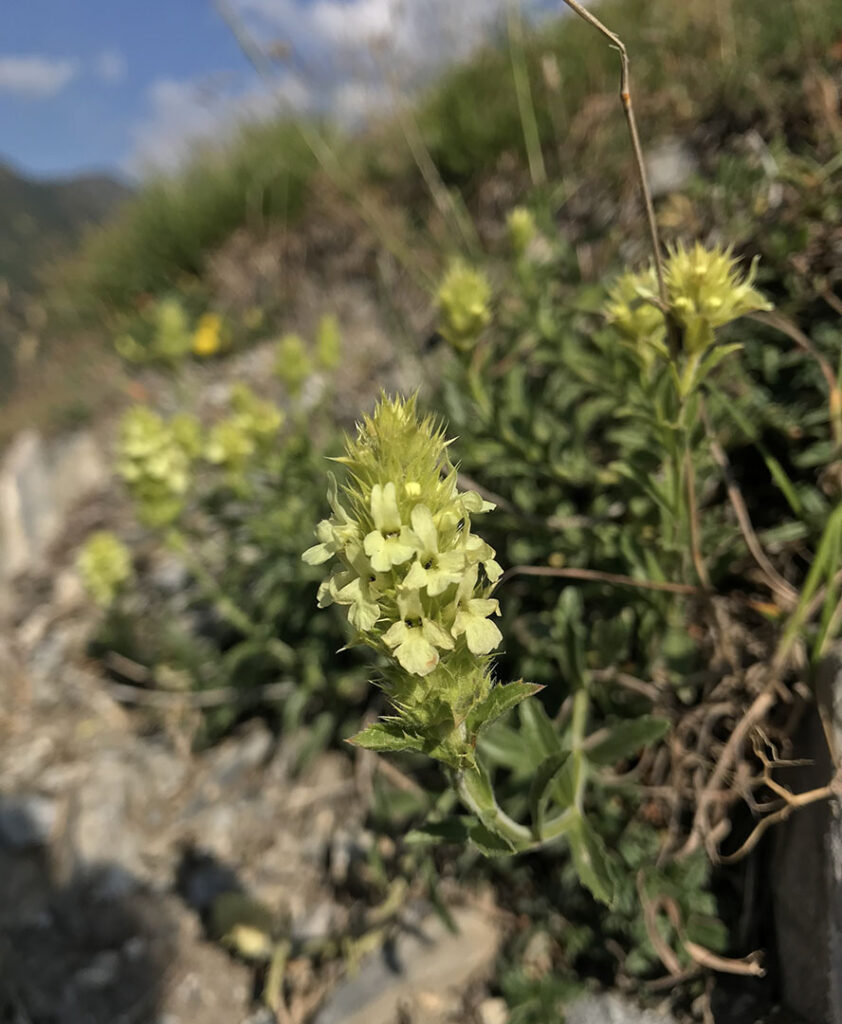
point(476, 793)
point(578, 728)
point(479, 798)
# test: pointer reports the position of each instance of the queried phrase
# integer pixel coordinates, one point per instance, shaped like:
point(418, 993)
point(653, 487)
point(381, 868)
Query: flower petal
point(425, 528)
point(493, 570)
point(317, 554)
point(416, 654)
point(437, 635)
point(363, 614)
point(482, 636)
point(384, 508)
point(325, 597)
point(395, 634)
point(416, 578)
point(483, 606)
point(474, 503)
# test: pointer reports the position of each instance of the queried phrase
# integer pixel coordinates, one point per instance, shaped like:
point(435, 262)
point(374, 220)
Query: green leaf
point(385, 736)
point(591, 860)
point(823, 567)
point(504, 746)
point(711, 361)
point(455, 830)
point(538, 731)
point(502, 698)
point(538, 792)
point(626, 738)
point(490, 843)
point(644, 483)
point(566, 782)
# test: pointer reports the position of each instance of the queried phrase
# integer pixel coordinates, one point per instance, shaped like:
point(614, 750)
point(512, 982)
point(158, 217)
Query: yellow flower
point(471, 619)
point(390, 544)
point(632, 308)
point(414, 638)
point(433, 570)
point(207, 337)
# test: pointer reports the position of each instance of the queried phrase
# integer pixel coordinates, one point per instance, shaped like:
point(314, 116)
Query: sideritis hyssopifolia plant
point(417, 583)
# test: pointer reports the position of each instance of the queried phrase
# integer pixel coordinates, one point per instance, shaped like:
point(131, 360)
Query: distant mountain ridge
point(40, 219)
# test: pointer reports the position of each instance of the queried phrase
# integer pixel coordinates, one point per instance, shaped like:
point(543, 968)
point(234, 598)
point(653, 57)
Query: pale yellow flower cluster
point(105, 564)
point(706, 290)
point(414, 577)
point(155, 460)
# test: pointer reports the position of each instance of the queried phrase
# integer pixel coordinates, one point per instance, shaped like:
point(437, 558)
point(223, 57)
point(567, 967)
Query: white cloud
point(36, 76)
point(345, 58)
point(362, 21)
point(353, 102)
point(182, 113)
point(110, 67)
point(404, 40)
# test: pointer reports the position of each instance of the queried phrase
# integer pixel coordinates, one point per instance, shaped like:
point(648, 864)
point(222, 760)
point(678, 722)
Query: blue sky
point(122, 85)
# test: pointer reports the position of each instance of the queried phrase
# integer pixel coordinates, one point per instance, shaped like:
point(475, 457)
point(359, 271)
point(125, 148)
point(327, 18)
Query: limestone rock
point(40, 482)
point(423, 971)
point(609, 1008)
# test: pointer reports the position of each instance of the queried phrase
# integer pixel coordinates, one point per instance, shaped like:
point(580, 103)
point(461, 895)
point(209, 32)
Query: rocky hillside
point(42, 218)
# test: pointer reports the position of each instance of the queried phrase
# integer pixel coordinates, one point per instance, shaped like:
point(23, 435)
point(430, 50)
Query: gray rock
point(609, 1008)
point(670, 164)
point(40, 482)
point(27, 821)
point(317, 923)
point(240, 754)
point(262, 1016)
point(168, 573)
point(422, 966)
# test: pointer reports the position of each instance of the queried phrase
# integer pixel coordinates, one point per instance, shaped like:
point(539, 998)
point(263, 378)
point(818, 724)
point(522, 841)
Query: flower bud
point(104, 563)
point(328, 342)
point(522, 229)
point(293, 364)
point(463, 301)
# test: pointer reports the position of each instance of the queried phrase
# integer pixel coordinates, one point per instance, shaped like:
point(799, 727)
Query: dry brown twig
point(596, 576)
point(787, 801)
point(832, 299)
point(777, 584)
point(747, 966)
point(640, 163)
